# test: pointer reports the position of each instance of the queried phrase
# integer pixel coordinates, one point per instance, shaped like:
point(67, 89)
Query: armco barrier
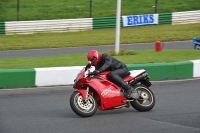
point(188, 17)
point(2, 28)
point(110, 22)
point(52, 76)
point(79, 24)
point(165, 18)
point(60, 25)
point(105, 22)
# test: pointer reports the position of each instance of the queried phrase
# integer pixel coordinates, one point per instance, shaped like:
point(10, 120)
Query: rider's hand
point(96, 71)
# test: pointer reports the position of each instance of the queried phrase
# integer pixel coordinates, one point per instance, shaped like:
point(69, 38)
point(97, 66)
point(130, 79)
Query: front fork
point(84, 93)
point(87, 91)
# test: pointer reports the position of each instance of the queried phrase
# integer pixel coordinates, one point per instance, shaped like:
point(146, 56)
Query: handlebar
point(91, 73)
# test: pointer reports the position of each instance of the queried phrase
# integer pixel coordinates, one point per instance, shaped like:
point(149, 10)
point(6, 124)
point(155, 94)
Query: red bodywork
point(108, 92)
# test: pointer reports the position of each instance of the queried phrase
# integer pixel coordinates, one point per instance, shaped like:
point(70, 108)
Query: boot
point(128, 91)
point(131, 93)
point(120, 82)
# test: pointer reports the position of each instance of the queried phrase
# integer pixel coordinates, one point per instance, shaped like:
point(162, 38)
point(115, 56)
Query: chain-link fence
point(13, 10)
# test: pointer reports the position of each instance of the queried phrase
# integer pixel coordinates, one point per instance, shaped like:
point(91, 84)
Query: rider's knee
point(111, 75)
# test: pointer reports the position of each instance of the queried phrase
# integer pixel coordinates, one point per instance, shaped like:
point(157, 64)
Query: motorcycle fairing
point(108, 92)
point(83, 93)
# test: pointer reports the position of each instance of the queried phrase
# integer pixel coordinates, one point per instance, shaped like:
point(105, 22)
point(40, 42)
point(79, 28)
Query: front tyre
point(146, 100)
point(83, 108)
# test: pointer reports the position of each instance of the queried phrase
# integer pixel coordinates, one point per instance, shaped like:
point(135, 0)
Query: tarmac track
point(74, 50)
point(47, 110)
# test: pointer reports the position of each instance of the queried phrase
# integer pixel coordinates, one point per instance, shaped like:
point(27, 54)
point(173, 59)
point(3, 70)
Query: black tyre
point(146, 101)
point(82, 108)
point(197, 47)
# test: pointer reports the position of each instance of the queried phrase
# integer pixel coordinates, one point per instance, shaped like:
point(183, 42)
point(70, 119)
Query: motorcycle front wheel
point(146, 100)
point(83, 108)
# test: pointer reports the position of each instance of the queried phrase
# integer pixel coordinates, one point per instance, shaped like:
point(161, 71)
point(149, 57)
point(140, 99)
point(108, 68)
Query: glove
point(96, 71)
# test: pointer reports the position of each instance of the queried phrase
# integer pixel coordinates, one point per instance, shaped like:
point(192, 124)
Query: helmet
point(93, 57)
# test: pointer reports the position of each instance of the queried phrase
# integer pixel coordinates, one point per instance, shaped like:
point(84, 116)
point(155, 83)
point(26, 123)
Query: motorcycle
point(95, 91)
point(196, 42)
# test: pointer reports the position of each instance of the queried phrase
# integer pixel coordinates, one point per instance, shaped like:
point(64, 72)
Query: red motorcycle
point(96, 91)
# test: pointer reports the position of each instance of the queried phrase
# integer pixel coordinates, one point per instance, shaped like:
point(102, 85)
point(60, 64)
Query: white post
point(118, 16)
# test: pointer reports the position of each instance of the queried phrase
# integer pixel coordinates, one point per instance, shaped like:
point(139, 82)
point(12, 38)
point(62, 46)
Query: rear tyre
point(146, 100)
point(81, 107)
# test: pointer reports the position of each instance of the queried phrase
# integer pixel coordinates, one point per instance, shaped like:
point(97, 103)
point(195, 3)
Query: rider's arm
point(87, 66)
point(106, 65)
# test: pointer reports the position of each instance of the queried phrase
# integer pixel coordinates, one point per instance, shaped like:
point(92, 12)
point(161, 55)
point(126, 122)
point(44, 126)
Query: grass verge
point(140, 57)
point(139, 34)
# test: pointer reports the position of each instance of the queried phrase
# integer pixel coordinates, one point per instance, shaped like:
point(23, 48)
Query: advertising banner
point(144, 19)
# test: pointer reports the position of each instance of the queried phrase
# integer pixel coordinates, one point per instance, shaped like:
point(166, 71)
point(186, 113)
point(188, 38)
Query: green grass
point(131, 35)
point(62, 9)
point(141, 57)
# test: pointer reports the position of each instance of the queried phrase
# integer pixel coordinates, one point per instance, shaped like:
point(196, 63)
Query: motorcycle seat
point(133, 74)
point(128, 78)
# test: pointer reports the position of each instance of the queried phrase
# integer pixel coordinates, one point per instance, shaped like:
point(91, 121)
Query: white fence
point(62, 25)
point(186, 17)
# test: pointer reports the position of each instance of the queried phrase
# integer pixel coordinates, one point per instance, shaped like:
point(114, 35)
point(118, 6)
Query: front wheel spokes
point(91, 101)
point(86, 106)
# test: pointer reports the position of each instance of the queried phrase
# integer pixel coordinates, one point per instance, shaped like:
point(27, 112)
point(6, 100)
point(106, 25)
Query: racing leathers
point(118, 71)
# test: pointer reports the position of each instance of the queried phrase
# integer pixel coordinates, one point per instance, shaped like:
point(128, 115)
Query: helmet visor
point(92, 61)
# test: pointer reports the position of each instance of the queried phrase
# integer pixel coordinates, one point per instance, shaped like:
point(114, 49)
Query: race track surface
point(47, 110)
point(74, 50)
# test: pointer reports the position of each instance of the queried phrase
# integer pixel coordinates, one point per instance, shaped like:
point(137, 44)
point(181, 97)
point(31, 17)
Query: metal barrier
point(68, 25)
point(186, 17)
point(63, 25)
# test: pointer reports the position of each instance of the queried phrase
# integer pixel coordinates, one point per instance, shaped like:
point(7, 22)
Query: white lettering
point(105, 92)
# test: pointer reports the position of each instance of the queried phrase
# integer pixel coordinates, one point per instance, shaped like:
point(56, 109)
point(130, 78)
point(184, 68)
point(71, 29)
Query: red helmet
point(93, 56)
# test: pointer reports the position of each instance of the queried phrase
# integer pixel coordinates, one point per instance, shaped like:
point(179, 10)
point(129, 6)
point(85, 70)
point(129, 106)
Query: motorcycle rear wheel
point(82, 108)
point(197, 47)
point(146, 100)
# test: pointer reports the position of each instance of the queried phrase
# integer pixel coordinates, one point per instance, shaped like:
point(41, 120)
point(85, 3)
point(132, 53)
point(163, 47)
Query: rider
point(106, 62)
